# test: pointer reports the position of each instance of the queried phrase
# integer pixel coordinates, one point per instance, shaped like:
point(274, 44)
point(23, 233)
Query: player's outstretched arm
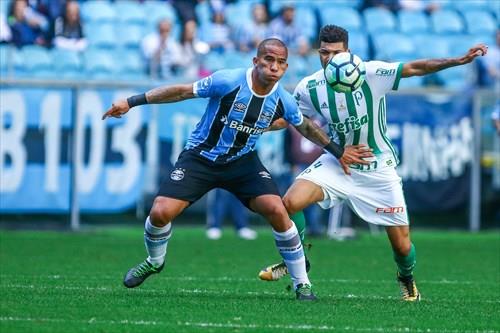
point(164, 94)
point(277, 125)
point(346, 155)
point(428, 66)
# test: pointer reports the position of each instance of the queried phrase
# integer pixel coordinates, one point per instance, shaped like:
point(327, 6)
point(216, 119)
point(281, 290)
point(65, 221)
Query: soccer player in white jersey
point(374, 192)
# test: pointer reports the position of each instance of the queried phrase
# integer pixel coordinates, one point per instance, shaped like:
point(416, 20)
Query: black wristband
point(334, 149)
point(137, 100)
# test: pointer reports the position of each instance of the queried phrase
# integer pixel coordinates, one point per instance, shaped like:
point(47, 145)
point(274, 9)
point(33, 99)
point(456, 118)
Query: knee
point(290, 205)
point(159, 214)
point(403, 248)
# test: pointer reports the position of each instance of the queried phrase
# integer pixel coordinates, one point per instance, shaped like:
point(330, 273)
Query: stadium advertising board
point(118, 160)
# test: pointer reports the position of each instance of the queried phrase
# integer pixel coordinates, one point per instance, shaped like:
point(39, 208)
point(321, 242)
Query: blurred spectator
point(26, 24)
point(221, 203)
point(185, 9)
point(192, 51)
point(495, 117)
point(427, 6)
point(392, 5)
point(5, 33)
point(161, 51)
point(68, 30)
point(489, 65)
point(285, 28)
point(250, 35)
point(218, 34)
point(300, 153)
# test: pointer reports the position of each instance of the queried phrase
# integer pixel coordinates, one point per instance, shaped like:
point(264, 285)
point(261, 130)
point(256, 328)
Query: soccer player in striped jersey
point(243, 103)
point(374, 191)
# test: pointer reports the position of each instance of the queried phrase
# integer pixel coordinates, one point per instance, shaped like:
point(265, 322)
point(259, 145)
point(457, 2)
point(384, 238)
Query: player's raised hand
point(354, 155)
point(475, 51)
point(117, 109)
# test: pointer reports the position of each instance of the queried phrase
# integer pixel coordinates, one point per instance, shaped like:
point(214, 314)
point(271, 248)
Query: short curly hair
point(331, 33)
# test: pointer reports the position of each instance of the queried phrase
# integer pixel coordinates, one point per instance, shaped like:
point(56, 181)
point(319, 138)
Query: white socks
point(156, 241)
point(290, 248)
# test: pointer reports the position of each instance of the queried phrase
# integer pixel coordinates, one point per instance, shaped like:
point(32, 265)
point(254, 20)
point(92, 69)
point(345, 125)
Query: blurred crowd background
point(189, 39)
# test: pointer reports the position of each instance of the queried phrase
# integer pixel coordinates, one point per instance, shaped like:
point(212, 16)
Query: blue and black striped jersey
point(236, 116)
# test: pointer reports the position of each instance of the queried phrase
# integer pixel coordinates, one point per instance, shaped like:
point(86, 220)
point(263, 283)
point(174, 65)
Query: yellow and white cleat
point(273, 272)
point(408, 287)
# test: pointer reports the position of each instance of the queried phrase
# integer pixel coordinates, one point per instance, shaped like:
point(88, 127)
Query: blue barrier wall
point(117, 157)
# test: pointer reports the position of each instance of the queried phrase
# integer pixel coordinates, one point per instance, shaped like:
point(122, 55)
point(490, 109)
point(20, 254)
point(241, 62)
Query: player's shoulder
point(229, 76)
point(380, 68)
point(311, 81)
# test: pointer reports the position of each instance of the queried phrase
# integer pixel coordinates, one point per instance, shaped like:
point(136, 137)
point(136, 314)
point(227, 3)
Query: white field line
point(94, 321)
point(236, 279)
point(213, 292)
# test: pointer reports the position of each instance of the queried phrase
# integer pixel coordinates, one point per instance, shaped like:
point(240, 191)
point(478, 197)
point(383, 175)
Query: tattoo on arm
point(169, 94)
point(313, 132)
point(428, 66)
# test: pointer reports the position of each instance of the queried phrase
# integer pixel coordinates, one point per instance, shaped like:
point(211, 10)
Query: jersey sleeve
point(211, 86)
point(384, 76)
point(291, 111)
point(303, 100)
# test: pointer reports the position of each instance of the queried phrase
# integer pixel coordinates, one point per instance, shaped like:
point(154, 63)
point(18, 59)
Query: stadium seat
point(158, 10)
point(393, 47)
point(234, 59)
point(7, 60)
point(131, 66)
point(37, 62)
point(464, 6)
point(480, 22)
point(129, 12)
point(130, 36)
point(98, 11)
point(101, 35)
point(412, 21)
point(239, 13)
point(323, 4)
point(298, 68)
point(456, 77)
point(305, 18)
point(68, 64)
point(379, 20)
point(446, 22)
point(203, 13)
point(345, 17)
point(358, 44)
point(100, 64)
point(435, 46)
point(214, 61)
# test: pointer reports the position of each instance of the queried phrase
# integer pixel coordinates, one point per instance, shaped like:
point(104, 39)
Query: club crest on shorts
point(177, 174)
point(265, 174)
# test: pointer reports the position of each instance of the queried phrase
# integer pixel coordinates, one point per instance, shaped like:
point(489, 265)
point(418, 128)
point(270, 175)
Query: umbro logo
point(240, 107)
point(324, 105)
point(265, 174)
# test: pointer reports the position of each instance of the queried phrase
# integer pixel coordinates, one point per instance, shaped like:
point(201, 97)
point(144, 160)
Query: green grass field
point(72, 282)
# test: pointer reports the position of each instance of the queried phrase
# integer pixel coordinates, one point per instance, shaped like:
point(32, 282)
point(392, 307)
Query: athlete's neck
point(260, 87)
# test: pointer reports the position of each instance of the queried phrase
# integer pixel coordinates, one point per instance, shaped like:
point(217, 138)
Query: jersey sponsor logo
point(239, 107)
point(205, 83)
point(385, 72)
point(265, 174)
point(350, 123)
point(177, 174)
point(234, 124)
point(314, 84)
point(389, 210)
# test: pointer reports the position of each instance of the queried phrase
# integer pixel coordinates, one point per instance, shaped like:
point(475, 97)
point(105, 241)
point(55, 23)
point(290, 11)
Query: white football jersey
point(357, 117)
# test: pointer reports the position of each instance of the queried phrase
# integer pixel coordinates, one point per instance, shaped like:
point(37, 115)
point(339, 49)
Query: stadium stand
point(114, 30)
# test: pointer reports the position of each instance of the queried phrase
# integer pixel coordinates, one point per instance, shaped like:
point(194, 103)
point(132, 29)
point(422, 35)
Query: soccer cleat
point(136, 275)
point(303, 292)
point(408, 287)
point(247, 233)
point(214, 233)
point(277, 271)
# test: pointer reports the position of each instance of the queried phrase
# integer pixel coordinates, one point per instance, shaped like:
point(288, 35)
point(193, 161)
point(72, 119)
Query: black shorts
point(193, 176)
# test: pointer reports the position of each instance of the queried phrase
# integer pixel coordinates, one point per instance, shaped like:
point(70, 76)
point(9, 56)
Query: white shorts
point(375, 196)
